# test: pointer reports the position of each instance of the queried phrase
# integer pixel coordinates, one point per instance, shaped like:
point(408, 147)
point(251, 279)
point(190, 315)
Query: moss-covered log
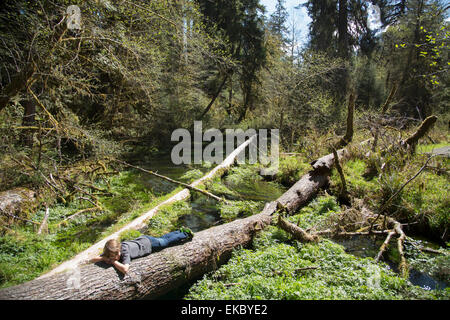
point(423, 129)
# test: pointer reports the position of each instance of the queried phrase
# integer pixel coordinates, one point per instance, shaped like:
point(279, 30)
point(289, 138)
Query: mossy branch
point(188, 186)
point(423, 129)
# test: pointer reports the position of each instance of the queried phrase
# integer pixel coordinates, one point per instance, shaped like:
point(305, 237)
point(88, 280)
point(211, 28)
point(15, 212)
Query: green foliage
point(278, 268)
point(238, 209)
point(191, 175)
point(219, 189)
point(129, 235)
point(428, 198)
point(25, 255)
point(357, 185)
point(275, 272)
point(167, 217)
point(291, 168)
point(248, 184)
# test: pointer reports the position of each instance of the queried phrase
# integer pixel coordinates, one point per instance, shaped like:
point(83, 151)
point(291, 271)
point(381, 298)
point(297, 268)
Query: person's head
point(111, 251)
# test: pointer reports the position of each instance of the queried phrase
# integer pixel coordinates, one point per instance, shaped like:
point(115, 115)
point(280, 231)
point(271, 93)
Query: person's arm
point(121, 267)
point(96, 259)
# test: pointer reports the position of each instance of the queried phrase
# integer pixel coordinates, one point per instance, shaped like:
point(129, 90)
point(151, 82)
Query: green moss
point(357, 185)
point(290, 170)
point(422, 148)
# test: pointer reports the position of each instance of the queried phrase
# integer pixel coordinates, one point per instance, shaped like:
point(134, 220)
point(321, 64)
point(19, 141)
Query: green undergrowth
point(424, 200)
point(277, 267)
point(422, 148)
point(291, 169)
point(246, 183)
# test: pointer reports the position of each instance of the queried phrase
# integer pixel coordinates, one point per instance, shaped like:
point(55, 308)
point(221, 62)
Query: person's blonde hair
point(112, 247)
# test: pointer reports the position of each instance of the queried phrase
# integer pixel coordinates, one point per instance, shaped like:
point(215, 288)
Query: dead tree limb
point(403, 266)
point(296, 231)
point(204, 192)
point(343, 192)
point(347, 138)
point(423, 129)
point(214, 97)
point(384, 245)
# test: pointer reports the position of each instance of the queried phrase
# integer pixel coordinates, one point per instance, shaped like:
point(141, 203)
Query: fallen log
point(384, 245)
point(158, 273)
point(151, 276)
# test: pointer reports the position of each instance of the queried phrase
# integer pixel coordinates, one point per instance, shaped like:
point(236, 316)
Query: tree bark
point(423, 129)
point(214, 97)
point(296, 231)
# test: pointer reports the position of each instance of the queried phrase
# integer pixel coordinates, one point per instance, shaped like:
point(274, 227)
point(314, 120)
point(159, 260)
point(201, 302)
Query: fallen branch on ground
point(190, 187)
point(298, 233)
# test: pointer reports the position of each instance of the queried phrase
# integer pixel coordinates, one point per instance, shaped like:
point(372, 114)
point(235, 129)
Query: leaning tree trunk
point(158, 273)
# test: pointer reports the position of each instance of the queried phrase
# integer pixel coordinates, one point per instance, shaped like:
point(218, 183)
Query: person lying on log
point(119, 254)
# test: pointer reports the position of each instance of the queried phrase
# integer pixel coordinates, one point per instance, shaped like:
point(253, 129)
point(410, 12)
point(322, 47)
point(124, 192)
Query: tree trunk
point(28, 120)
point(219, 90)
point(343, 29)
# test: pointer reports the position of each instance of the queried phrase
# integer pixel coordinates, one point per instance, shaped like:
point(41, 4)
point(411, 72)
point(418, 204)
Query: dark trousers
point(167, 240)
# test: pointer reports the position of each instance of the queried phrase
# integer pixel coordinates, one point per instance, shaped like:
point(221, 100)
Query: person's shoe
point(189, 233)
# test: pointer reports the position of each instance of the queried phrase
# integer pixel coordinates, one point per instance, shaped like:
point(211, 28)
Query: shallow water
point(369, 247)
point(205, 213)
